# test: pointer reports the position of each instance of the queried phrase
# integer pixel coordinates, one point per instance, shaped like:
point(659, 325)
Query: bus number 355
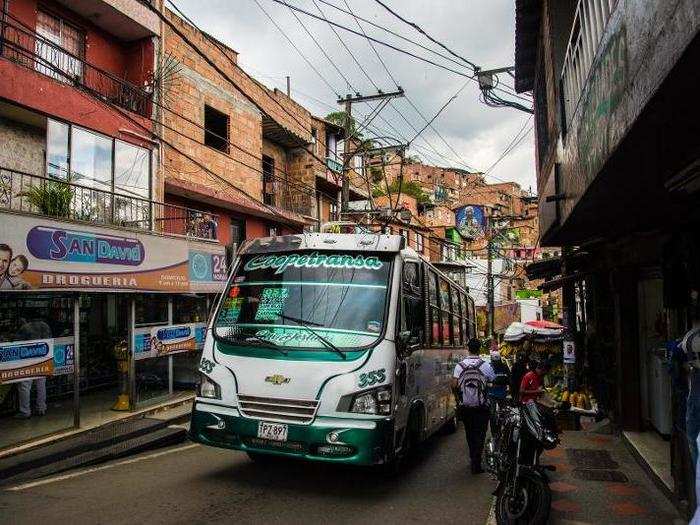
point(375, 377)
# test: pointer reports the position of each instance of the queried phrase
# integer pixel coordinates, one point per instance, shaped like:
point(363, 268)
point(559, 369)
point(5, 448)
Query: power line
point(323, 51)
point(415, 26)
point(386, 68)
point(308, 62)
point(421, 31)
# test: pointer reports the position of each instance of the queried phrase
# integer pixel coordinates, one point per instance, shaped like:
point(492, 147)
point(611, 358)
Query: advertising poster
point(471, 221)
point(156, 341)
point(569, 352)
point(37, 253)
point(22, 360)
point(63, 356)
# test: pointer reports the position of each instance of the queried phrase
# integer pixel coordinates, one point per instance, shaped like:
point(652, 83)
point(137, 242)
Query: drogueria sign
point(45, 254)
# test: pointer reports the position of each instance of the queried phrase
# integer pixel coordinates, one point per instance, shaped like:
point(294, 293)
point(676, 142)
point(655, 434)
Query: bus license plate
point(273, 431)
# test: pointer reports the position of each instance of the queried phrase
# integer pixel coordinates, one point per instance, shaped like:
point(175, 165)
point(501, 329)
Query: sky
point(483, 31)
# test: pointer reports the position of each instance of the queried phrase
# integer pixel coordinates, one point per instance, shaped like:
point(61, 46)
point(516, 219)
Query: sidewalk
point(598, 481)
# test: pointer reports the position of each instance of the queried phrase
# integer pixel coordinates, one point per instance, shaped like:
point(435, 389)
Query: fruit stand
point(547, 341)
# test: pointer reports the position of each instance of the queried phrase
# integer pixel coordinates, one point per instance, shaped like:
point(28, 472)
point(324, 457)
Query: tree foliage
point(411, 188)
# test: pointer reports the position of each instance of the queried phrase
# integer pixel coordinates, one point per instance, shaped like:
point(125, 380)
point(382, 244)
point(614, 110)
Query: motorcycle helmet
point(690, 344)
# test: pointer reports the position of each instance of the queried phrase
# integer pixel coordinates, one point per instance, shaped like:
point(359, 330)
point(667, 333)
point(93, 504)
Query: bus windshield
point(306, 300)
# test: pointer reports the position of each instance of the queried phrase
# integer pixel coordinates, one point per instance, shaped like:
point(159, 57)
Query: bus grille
point(298, 411)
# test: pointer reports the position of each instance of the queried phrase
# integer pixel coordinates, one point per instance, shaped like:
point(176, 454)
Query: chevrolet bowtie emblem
point(277, 379)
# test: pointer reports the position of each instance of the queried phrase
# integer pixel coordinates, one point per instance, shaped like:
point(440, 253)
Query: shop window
point(151, 309)
point(63, 66)
point(216, 125)
point(26, 317)
point(189, 309)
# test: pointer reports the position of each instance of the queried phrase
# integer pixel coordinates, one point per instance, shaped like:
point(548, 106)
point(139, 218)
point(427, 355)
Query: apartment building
point(94, 261)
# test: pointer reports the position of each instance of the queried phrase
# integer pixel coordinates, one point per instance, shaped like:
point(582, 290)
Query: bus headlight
point(208, 388)
point(375, 401)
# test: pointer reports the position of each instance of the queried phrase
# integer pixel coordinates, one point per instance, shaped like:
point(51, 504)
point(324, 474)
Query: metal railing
point(290, 196)
point(590, 20)
point(24, 192)
point(20, 44)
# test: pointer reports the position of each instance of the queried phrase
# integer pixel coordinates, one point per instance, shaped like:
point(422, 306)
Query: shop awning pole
point(132, 354)
point(170, 357)
point(76, 361)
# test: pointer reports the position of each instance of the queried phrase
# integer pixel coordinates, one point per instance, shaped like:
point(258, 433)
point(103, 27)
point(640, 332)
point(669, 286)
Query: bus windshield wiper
point(266, 342)
point(299, 320)
point(305, 324)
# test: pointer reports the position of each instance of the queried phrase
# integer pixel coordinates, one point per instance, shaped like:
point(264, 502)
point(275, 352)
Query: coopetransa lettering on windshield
point(313, 260)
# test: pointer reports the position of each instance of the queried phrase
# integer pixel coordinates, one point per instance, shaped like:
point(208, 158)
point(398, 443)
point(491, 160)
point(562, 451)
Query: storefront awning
point(557, 283)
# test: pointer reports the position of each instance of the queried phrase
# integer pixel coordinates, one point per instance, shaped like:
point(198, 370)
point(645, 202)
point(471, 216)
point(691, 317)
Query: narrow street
point(193, 484)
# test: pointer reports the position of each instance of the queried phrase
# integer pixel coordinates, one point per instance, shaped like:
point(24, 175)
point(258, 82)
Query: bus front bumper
point(338, 440)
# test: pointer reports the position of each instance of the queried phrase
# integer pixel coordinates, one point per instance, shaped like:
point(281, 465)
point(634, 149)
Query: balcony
point(290, 196)
point(27, 48)
point(590, 20)
point(26, 193)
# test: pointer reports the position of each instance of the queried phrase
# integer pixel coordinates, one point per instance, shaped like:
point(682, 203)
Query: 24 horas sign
point(37, 253)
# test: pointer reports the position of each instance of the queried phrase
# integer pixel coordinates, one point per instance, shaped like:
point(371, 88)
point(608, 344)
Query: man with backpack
point(470, 383)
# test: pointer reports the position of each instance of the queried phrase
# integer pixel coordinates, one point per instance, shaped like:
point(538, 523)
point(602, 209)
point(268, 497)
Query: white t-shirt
point(470, 360)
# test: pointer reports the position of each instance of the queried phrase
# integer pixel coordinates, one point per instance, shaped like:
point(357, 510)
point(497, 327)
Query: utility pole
point(348, 101)
point(490, 299)
point(345, 186)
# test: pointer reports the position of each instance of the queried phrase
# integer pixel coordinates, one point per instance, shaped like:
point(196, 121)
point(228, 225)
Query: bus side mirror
point(408, 341)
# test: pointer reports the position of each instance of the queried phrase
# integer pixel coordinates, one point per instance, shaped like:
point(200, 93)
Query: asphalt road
point(194, 484)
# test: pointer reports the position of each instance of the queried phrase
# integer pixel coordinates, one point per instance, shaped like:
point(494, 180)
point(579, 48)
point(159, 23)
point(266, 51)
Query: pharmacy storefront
point(97, 321)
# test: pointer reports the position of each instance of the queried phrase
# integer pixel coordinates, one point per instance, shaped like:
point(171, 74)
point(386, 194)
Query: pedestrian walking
point(470, 383)
point(498, 390)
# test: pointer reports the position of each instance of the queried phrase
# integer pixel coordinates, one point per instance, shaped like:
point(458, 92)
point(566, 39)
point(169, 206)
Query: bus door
point(411, 334)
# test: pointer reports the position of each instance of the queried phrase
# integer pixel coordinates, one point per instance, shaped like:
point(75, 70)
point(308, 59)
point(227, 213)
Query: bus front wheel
point(259, 457)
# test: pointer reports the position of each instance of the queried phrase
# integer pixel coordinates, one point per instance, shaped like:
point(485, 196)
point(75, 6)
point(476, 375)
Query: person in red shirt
point(531, 387)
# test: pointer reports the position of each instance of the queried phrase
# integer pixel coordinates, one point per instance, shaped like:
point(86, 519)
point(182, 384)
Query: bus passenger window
point(446, 324)
point(434, 310)
point(412, 318)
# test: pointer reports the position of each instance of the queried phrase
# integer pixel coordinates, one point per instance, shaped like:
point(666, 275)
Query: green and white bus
point(331, 347)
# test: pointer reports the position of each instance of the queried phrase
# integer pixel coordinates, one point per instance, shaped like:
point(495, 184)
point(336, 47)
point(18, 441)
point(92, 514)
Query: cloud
point(482, 31)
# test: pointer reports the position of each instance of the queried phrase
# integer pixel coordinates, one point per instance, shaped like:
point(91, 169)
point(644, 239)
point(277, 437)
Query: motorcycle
point(524, 432)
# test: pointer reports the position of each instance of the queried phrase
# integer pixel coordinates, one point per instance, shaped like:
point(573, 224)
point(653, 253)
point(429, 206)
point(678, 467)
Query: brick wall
point(280, 108)
point(247, 105)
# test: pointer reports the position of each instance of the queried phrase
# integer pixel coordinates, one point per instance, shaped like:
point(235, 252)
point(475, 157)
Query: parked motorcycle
point(513, 456)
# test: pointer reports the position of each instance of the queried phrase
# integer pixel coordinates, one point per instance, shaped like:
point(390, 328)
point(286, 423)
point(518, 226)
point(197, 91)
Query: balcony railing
point(20, 44)
point(590, 20)
point(23, 192)
point(290, 196)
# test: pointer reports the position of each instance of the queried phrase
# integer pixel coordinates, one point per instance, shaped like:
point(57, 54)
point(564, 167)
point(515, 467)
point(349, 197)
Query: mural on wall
point(471, 221)
point(604, 94)
point(38, 253)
